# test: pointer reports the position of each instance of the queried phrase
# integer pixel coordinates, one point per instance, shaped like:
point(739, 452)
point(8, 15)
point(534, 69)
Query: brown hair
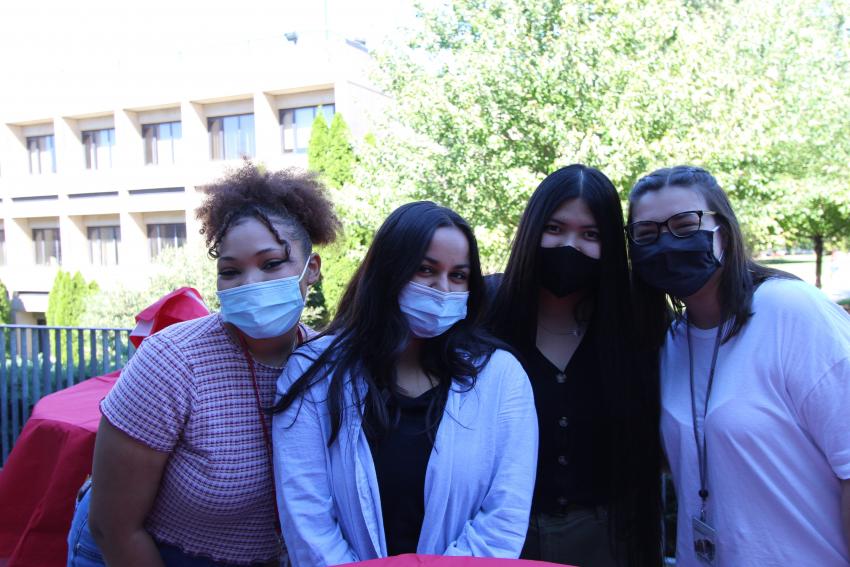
point(740, 275)
point(292, 197)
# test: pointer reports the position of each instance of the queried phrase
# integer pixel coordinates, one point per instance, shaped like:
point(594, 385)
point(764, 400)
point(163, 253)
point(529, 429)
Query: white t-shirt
point(778, 431)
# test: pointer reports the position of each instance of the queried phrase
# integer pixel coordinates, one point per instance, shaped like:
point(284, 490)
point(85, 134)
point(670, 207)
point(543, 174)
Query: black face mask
point(678, 266)
point(564, 269)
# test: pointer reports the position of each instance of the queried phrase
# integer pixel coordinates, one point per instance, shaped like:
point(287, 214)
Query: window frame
point(156, 244)
point(283, 128)
point(41, 256)
point(92, 161)
point(218, 140)
point(152, 156)
point(38, 149)
point(116, 234)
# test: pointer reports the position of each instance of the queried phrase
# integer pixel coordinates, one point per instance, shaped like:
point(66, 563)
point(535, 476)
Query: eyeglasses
point(680, 225)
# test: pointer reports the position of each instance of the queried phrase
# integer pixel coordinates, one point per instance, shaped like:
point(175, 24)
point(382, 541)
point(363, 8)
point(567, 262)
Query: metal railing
point(40, 360)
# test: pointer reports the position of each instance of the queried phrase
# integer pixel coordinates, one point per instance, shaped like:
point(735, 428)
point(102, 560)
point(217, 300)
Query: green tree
point(67, 299)
point(339, 160)
point(317, 147)
point(315, 312)
point(5, 306)
point(490, 97)
point(331, 154)
point(821, 217)
point(187, 265)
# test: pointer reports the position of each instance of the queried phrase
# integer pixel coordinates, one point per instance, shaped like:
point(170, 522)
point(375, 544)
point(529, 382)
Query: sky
point(47, 44)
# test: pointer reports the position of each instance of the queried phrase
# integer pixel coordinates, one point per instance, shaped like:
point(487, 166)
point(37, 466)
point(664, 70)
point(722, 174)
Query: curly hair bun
point(291, 195)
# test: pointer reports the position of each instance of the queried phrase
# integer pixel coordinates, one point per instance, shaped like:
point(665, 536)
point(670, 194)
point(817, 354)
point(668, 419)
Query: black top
point(574, 464)
point(401, 459)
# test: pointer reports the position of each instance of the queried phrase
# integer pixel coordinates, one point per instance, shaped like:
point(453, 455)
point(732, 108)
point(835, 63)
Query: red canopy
point(182, 304)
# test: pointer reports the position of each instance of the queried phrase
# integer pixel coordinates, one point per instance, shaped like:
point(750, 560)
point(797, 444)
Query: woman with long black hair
point(564, 303)
point(755, 384)
point(403, 428)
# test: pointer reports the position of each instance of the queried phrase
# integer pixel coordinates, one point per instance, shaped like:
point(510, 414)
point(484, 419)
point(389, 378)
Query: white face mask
point(431, 312)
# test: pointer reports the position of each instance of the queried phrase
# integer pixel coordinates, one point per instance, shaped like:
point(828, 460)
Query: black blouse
point(574, 464)
point(401, 460)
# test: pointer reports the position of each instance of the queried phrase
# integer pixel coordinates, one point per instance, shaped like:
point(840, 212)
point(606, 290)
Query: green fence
point(39, 360)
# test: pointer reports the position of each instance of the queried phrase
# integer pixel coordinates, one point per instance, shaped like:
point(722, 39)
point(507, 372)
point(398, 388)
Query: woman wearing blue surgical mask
point(182, 463)
point(403, 428)
point(755, 384)
point(564, 303)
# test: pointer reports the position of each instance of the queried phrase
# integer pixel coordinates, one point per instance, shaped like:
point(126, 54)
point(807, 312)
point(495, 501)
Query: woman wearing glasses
point(564, 304)
point(755, 384)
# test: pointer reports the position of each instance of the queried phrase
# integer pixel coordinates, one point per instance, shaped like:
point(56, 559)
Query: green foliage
point(315, 314)
point(819, 216)
point(490, 97)
point(330, 152)
point(317, 147)
point(188, 265)
point(339, 161)
point(5, 306)
point(67, 300)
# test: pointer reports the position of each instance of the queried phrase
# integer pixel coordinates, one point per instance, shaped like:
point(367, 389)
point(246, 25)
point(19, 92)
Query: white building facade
point(101, 181)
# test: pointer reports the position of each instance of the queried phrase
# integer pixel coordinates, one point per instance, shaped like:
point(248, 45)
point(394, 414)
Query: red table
point(49, 462)
point(415, 560)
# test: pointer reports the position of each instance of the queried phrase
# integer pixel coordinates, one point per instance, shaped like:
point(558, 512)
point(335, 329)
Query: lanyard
point(702, 452)
point(261, 413)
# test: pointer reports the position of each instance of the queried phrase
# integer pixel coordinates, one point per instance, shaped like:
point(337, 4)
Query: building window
point(48, 250)
point(103, 245)
point(2, 246)
point(296, 124)
point(98, 147)
point(161, 142)
point(162, 236)
point(232, 137)
point(42, 154)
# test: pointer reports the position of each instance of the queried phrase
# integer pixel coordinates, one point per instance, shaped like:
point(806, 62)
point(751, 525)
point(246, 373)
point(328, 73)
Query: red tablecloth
point(415, 560)
point(49, 462)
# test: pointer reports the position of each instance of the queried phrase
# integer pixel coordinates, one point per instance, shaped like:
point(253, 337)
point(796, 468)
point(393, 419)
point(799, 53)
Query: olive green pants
point(577, 537)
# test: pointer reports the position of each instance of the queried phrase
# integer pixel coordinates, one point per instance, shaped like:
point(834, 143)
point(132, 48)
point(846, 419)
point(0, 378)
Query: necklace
point(576, 332)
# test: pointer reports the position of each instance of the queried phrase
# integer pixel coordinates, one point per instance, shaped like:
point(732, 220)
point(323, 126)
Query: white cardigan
point(478, 484)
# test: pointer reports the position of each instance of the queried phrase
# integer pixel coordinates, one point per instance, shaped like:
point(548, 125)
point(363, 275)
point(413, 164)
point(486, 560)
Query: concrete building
point(99, 178)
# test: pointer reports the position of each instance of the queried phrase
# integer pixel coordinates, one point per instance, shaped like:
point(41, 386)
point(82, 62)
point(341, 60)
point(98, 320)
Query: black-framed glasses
point(680, 225)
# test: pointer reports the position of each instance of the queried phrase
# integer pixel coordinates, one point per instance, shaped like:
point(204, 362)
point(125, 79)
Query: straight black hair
point(628, 372)
point(739, 276)
point(370, 332)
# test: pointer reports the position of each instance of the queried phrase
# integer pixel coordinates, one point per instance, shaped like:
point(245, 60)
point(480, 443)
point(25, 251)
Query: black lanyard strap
point(702, 451)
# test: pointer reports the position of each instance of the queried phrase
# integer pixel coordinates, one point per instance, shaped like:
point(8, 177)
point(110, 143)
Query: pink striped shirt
point(188, 391)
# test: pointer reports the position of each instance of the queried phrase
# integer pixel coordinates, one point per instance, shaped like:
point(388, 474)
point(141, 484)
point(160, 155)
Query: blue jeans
point(84, 552)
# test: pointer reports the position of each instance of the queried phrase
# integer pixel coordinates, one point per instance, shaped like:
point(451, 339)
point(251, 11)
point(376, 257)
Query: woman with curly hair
point(182, 470)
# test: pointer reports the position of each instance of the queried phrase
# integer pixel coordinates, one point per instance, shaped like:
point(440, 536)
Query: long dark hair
point(628, 373)
point(370, 332)
point(739, 276)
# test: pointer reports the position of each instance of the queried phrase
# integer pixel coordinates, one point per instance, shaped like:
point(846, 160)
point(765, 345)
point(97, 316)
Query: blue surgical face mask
point(431, 312)
point(264, 310)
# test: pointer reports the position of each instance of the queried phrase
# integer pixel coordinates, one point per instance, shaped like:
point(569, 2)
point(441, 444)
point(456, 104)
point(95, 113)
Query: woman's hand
point(126, 480)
